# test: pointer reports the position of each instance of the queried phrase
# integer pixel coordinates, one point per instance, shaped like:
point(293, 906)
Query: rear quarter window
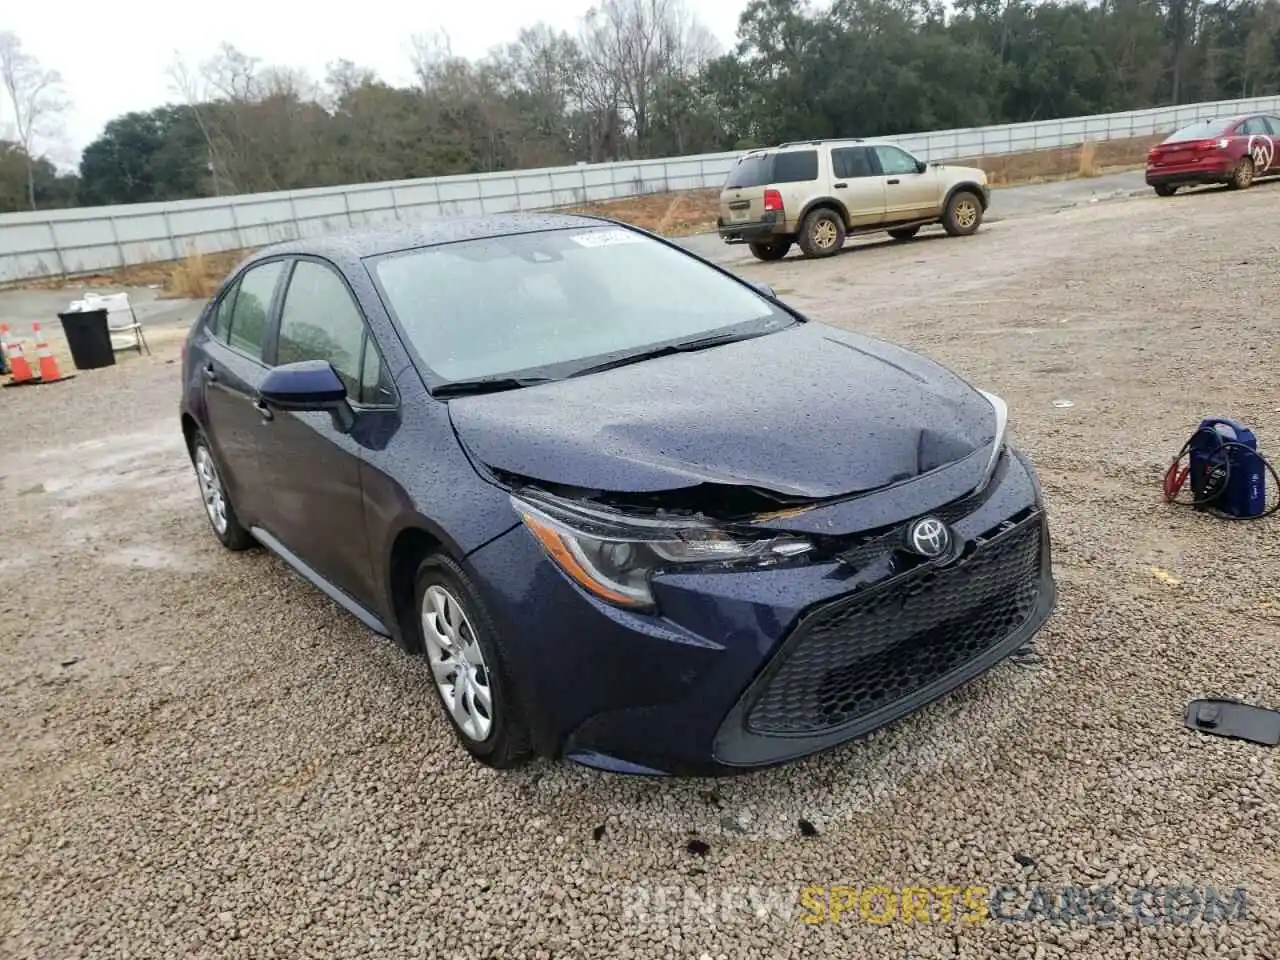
point(795, 166)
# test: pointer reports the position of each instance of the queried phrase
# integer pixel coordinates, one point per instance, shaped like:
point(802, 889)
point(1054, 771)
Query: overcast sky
point(113, 56)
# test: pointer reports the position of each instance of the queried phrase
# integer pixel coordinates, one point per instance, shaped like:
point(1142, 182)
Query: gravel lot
point(200, 757)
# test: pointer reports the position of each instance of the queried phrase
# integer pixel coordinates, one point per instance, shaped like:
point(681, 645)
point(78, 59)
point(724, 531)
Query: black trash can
point(88, 338)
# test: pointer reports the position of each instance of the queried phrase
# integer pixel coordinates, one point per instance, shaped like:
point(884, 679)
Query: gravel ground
point(200, 757)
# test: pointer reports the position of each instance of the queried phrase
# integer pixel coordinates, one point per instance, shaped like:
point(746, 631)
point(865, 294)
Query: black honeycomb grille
point(886, 642)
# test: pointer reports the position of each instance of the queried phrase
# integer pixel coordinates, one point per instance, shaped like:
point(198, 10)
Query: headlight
point(1001, 411)
point(614, 557)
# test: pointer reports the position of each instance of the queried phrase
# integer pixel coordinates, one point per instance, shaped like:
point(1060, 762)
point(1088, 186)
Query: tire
point(494, 734)
point(218, 510)
point(773, 250)
point(822, 234)
point(904, 233)
point(1165, 190)
point(1242, 175)
point(963, 215)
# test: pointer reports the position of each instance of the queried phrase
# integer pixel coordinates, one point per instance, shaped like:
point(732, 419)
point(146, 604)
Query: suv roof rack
point(820, 141)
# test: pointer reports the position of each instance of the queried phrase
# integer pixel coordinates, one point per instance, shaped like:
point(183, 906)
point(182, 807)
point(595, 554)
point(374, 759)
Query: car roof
point(362, 242)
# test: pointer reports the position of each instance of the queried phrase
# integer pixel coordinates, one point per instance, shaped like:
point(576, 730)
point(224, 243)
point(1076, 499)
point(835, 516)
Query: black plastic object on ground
point(88, 338)
point(1231, 718)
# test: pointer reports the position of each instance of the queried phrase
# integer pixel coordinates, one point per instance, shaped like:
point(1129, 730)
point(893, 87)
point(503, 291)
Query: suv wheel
point(822, 233)
point(773, 250)
point(1165, 190)
point(464, 652)
point(904, 233)
point(963, 214)
point(217, 505)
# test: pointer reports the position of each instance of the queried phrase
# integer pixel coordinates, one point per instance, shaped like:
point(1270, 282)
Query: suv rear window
point(753, 171)
point(761, 169)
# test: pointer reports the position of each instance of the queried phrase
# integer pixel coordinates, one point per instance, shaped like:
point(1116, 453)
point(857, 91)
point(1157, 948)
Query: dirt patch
point(679, 214)
point(202, 756)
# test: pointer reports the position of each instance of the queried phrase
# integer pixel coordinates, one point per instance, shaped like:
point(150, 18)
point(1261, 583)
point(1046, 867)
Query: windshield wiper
point(466, 388)
point(684, 346)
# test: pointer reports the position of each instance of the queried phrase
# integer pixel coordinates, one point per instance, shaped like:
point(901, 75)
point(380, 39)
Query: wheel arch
point(967, 186)
point(828, 203)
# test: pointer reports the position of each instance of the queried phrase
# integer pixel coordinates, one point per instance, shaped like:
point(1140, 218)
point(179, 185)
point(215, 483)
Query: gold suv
point(818, 192)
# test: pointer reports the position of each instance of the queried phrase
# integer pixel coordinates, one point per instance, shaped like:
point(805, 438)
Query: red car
point(1234, 151)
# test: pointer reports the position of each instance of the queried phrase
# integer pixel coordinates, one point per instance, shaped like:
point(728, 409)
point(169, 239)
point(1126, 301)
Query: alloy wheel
point(966, 214)
point(215, 500)
point(457, 663)
point(824, 234)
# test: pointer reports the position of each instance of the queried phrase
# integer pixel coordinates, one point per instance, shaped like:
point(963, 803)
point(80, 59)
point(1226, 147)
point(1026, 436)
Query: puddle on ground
point(152, 558)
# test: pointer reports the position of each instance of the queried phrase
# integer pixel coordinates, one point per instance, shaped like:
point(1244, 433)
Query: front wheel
point(463, 650)
point(1165, 190)
point(963, 214)
point(1242, 175)
point(773, 250)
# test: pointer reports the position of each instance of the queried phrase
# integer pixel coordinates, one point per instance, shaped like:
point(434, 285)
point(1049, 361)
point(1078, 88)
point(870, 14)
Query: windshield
point(1201, 130)
point(552, 302)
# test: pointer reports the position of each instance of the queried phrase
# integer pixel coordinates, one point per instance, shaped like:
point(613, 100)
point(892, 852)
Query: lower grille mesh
point(884, 643)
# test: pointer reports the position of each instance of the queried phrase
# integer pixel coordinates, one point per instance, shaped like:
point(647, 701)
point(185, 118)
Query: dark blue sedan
point(633, 510)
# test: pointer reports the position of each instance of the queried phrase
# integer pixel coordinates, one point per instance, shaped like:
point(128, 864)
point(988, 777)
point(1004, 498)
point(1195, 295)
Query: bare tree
point(630, 49)
point(36, 98)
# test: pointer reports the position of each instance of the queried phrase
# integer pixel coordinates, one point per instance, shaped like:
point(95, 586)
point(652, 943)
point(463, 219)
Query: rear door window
point(852, 162)
point(252, 308)
point(1253, 125)
point(1273, 125)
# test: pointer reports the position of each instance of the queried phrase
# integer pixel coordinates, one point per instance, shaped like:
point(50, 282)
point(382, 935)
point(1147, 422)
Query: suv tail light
point(772, 201)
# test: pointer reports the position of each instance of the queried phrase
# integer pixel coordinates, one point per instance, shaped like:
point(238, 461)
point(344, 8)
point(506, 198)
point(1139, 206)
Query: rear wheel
point(963, 214)
point(1242, 175)
point(464, 652)
point(904, 233)
point(822, 233)
point(1165, 190)
point(217, 505)
point(773, 250)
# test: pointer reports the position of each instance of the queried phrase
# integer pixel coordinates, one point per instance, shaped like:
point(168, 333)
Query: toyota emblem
point(929, 537)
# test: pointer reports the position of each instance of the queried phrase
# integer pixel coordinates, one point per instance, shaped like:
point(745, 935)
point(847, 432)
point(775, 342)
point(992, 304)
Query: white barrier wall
point(88, 239)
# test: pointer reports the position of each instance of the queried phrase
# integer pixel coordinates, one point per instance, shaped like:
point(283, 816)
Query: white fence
point(89, 239)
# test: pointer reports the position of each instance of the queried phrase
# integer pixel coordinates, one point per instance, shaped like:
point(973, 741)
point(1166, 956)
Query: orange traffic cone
point(48, 362)
point(19, 370)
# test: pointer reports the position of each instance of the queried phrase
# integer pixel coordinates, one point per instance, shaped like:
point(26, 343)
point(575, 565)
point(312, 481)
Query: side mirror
point(308, 385)
point(767, 290)
point(921, 166)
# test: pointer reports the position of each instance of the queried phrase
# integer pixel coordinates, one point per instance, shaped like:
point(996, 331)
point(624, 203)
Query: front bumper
point(748, 669)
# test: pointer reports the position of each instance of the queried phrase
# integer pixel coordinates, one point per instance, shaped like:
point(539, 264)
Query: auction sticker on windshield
point(606, 238)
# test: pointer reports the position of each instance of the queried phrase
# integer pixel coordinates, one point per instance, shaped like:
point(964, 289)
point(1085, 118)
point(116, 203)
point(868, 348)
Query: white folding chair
point(122, 321)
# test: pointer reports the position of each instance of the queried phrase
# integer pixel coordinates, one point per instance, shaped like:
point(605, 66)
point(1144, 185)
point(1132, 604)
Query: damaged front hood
point(810, 412)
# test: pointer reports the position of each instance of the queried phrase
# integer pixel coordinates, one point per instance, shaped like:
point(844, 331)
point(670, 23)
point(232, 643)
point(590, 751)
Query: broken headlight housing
point(614, 556)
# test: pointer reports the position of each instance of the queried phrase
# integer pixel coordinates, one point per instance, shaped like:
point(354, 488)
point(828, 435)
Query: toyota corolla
point(634, 511)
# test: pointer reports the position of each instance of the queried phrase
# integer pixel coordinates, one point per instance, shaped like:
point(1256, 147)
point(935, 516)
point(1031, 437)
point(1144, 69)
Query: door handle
point(263, 410)
point(894, 180)
point(209, 373)
point(840, 186)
